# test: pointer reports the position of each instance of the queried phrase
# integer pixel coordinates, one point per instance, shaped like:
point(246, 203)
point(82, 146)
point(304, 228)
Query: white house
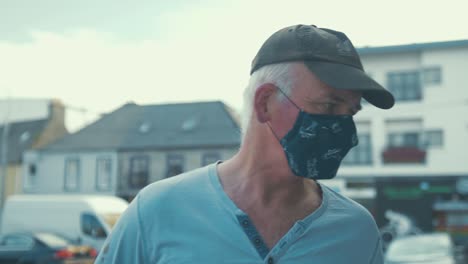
point(430, 84)
point(25, 124)
point(133, 146)
point(414, 153)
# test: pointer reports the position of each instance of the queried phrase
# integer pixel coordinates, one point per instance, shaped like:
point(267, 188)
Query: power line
point(83, 110)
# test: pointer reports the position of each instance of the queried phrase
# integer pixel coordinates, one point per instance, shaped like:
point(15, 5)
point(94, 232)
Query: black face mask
point(317, 144)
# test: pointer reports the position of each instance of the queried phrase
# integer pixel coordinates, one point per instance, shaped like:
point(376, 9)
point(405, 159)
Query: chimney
point(57, 111)
point(55, 128)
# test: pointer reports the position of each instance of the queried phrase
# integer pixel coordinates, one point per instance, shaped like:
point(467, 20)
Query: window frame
point(139, 158)
point(407, 81)
point(99, 186)
point(432, 71)
point(171, 157)
point(8, 247)
point(78, 174)
point(404, 139)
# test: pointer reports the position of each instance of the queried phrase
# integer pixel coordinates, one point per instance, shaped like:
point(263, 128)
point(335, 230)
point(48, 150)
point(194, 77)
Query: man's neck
point(261, 184)
point(264, 182)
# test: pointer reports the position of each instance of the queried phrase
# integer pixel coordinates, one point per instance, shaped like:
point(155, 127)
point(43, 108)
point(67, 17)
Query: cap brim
point(342, 76)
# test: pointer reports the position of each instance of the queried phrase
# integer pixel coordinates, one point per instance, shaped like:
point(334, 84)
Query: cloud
point(91, 69)
point(192, 52)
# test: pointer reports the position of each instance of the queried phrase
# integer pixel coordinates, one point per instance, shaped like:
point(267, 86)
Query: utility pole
point(4, 161)
point(4, 164)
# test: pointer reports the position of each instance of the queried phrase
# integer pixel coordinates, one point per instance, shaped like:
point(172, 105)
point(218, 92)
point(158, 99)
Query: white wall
point(50, 171)
point(444, 106)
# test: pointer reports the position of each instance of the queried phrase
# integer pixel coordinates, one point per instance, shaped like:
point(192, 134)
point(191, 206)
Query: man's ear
point(263, 96)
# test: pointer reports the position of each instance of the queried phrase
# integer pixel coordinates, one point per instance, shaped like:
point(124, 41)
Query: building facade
point(132, 147)
point(28, 124)
point(411, 159)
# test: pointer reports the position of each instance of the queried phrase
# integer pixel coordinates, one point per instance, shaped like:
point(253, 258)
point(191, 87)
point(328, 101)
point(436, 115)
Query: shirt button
point(270, 260)
point(245, 223)
point(257, 241)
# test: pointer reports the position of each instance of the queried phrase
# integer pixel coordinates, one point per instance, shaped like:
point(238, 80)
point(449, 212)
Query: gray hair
point(278, 74)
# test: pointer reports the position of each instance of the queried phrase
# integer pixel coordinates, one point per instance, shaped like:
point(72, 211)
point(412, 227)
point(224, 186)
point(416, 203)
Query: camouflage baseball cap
point(329, 54)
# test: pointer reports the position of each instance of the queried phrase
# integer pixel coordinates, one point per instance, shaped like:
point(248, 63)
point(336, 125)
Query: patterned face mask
point(317, 143)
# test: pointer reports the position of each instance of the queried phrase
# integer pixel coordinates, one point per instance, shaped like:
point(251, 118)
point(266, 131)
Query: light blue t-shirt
point(190, 219)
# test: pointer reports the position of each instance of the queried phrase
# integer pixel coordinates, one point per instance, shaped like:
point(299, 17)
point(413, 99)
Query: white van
point(87, 218)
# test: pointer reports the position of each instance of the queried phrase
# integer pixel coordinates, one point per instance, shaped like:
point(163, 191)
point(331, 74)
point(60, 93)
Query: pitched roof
point(21, 137)
point(166, 126)
point(417, 47)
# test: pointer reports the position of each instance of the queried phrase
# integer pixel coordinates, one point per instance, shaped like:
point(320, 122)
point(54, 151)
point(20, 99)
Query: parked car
point(43, 248)
point(88, 218)
point(435, 248)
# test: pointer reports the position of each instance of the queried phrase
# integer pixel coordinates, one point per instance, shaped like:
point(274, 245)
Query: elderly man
point(265, 205)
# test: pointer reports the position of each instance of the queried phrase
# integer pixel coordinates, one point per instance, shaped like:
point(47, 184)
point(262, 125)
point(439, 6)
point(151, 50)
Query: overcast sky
point(100, 54)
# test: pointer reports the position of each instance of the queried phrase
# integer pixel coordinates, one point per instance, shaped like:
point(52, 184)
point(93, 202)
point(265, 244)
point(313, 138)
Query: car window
point(16, 242)
point(91, 226)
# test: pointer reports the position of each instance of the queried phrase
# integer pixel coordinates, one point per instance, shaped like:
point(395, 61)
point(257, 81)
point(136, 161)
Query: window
point(103, 174)
point(362, 153)
point(433, 138)
point(210, 157)
point(16, 242)
point(72, 174)
point(139, 173)
point(405, 139)
point(405, 86)
point(404, 132)
point(404, 142)
point(91, 226)
point(175, 165)
point(30, 180)
point(32, 169)
point(432, 75)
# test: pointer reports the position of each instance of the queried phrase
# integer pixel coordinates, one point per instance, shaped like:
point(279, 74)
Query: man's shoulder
point(347, 207)
point(349, 217)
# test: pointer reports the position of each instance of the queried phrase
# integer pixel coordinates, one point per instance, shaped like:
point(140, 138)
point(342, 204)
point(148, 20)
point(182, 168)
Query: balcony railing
point(404, 154)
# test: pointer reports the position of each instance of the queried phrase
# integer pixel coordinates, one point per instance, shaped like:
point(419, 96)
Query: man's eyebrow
point(355, 108)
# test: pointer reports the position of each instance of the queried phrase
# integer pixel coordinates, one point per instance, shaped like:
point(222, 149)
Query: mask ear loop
point(289, 99)
point(272, 131)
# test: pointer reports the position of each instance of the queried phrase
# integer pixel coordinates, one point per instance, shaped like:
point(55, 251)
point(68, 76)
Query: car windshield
point(52, 240)
point(433, 245)
point(110, 218)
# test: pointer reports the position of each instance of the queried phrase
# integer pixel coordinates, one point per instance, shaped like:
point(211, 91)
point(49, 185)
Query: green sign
point(415, 192)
